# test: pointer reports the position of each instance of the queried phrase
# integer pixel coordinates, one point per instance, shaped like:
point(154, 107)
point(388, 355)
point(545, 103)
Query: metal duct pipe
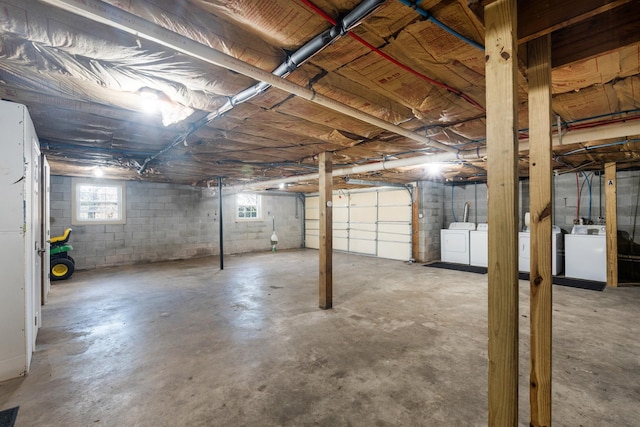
point(314, 46)
point(582, 135)
point(293, 61)
point(117, 18)
point(465, 213)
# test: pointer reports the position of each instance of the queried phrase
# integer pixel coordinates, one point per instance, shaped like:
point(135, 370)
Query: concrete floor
point(184, 344)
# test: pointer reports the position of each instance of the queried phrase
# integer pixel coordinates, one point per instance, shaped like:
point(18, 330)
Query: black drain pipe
point(294, 61)
point(220, 217)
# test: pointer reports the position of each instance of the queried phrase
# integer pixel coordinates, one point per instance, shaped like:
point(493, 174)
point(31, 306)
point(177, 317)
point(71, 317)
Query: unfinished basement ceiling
point(84, 83)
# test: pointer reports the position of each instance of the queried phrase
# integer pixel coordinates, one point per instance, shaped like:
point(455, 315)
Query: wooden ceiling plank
point(603, 33)
point(537, 18)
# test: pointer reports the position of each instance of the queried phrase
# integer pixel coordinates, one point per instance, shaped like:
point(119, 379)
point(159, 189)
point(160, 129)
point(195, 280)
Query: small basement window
point(248, 207)
point(98, 202)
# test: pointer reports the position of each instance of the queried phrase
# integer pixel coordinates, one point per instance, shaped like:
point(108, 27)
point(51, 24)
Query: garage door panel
point(341, 233)
point(340, 244)
point(361, 234)
point(340, 215)
point(395, 228)
point(361, 226)
point(340, 201)
point(394, 213)
point(392, 237)
point(311, 224)
point(363, 199)
point(397, 197)
point(312, 241)
point(391, 250)
point(367, 247)
point(366, 214)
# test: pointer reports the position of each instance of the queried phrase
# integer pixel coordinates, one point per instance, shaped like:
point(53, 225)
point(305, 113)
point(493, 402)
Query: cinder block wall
point(473, 193)
point(166, 222)
point(430, 219)
point(565, 201)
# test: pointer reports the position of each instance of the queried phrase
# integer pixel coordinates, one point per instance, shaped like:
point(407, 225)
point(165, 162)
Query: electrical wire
point(414, 5)
point(389, 58)
point(611, 144)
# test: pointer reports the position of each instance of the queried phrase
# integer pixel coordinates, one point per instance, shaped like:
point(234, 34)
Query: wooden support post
point(326, 230)
point(540, 175)
point(611, 209)
point(502, 150)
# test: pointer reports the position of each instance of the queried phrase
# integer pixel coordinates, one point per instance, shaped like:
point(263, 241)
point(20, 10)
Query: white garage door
point(373, 222)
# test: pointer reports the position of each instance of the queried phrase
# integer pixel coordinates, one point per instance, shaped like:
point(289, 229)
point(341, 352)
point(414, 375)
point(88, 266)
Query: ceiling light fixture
point(149, 99)
point(433, 169)
point(98, 172)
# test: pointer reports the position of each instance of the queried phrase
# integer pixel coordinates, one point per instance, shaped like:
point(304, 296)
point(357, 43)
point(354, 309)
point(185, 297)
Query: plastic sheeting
point(81, 80)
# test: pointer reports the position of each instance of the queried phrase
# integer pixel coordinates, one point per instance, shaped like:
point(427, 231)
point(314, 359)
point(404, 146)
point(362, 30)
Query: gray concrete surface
point(184, 344)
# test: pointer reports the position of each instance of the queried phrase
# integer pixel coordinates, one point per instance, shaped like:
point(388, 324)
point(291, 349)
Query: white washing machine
point(586, 253)
point(454, 242)
point(479, 246)
point(557, 246)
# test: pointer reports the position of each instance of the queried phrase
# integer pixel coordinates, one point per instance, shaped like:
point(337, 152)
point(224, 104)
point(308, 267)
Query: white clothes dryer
point(454, 242)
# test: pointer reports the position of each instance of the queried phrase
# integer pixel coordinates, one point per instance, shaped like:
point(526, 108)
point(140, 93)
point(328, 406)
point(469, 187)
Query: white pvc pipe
point(616, 130)
point(117, 18)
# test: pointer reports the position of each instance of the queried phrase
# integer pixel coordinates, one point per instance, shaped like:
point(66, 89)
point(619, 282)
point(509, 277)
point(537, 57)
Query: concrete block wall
point(167, 222)
point(565, 197)
point(250, 236)
point(430, 219)
point(474, 193)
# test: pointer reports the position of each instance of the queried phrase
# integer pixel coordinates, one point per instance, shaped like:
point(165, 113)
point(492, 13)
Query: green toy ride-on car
point(62, 265)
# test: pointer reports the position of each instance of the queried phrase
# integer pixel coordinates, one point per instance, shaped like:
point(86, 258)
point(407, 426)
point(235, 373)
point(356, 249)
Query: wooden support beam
point(326, 230)
point(540, 176)
point(603, 33)
point(611, 209)
point(502, 150)
point(538, 18)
